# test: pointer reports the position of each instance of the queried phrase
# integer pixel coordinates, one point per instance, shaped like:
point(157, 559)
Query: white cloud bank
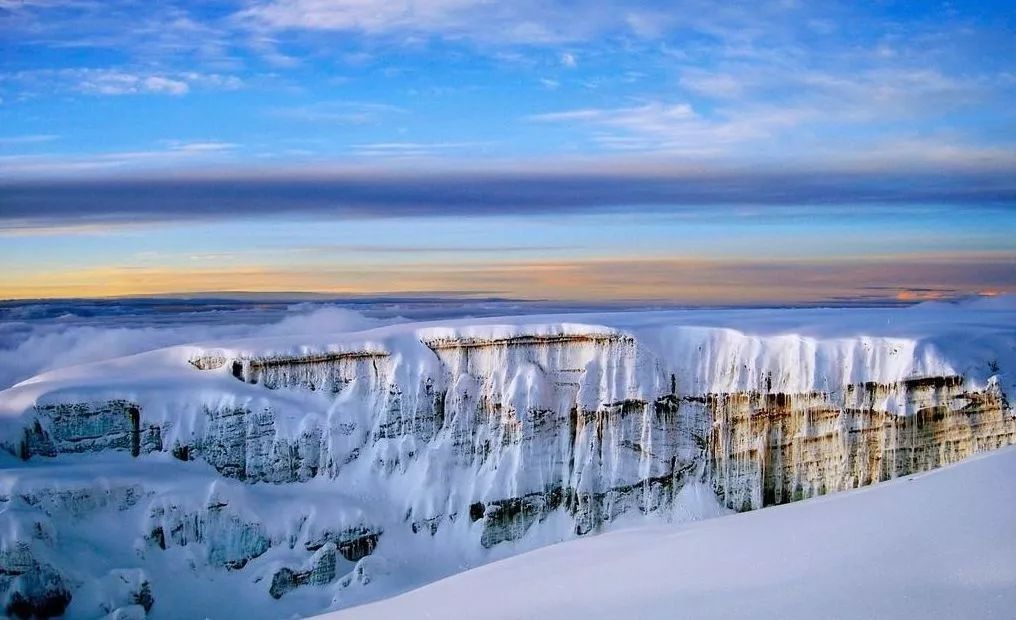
point(33, 346)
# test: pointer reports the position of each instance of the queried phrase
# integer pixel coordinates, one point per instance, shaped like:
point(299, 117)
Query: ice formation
point(934, 545)
point(302, 474)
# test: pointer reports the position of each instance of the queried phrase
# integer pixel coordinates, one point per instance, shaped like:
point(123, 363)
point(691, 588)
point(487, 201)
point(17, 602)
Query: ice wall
point(460, 443)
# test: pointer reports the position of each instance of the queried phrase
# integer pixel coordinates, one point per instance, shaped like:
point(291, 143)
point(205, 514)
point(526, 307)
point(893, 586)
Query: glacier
point(302, 473)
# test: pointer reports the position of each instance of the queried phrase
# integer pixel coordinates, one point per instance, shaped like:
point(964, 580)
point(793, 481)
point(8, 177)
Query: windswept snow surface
point(936, 545)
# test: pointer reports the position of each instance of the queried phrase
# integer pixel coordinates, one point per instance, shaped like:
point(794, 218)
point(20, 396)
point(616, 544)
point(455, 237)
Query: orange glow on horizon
point(679, 280)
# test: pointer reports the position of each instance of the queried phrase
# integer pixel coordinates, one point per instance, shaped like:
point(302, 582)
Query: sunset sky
point(692, 152)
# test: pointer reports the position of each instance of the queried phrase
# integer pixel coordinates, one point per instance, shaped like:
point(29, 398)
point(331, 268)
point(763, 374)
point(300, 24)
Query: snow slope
point(934, 545)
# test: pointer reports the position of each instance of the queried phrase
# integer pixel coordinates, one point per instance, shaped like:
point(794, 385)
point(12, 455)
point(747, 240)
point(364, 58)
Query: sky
point(687, 152)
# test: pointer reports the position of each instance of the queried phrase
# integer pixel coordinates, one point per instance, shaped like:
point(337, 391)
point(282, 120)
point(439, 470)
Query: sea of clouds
point(35, 338)
point(38, 336)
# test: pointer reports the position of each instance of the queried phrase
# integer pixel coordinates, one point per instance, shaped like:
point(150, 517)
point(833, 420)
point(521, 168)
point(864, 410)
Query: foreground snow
point(937, 545)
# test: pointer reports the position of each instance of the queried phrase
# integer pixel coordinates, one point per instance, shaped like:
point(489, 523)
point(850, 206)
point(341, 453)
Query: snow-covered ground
point(237, 468)
point(934, 545)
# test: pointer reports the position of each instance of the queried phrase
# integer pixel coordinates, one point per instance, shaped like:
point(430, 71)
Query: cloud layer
point(31, 345)
point(685, 80)
point(536, 148)
point(359, 194)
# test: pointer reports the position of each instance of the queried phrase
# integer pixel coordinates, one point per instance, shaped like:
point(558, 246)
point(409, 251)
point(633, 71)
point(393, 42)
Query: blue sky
point(851, 147)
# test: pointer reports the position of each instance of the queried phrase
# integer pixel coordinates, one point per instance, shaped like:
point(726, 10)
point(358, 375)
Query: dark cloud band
point(192, 196)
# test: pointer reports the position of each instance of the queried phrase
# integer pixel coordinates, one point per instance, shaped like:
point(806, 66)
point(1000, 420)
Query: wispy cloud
point(339, 112)
point(674, 127)
point(524, 21)
point(174, 152)
point(208, 146)
point(711, 84)
point(735, 83)
point(413, 149)
point(115, 82)
point(154, 33)
point(27, 139)
point(764, 110)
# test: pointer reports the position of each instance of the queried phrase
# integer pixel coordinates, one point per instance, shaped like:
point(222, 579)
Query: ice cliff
point(301, 474)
